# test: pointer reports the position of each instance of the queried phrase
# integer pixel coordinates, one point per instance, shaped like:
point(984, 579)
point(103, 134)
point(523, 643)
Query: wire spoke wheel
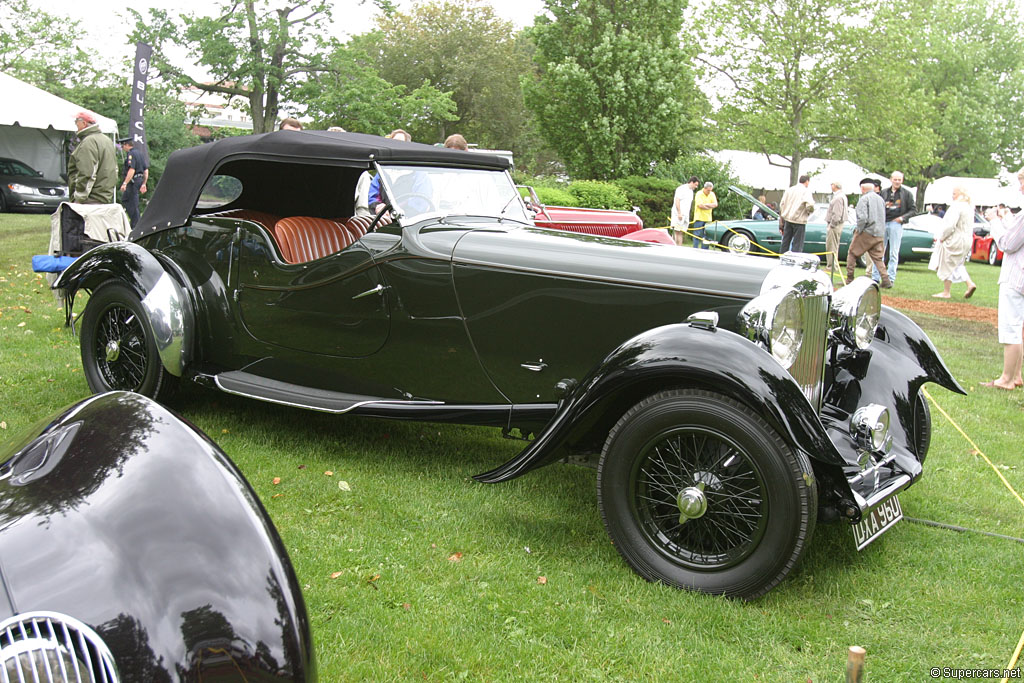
point(697, 491)
point(120, 348)
point(695, 459)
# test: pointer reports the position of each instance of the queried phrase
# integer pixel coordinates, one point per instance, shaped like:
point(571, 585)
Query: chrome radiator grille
point(809, 368)
point(47, 647)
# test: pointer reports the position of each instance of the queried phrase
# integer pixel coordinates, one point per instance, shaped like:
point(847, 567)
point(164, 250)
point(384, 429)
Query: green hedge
point(599, 195)
point(652, 195)
point(555, 197)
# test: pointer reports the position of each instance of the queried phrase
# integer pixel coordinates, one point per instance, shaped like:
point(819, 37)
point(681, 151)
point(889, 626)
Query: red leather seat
point(304, 238)
point(267, 220)
point(358, 225)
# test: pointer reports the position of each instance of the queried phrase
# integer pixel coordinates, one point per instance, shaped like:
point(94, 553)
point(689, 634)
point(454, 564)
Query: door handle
point(534, 367)
point(376, 290)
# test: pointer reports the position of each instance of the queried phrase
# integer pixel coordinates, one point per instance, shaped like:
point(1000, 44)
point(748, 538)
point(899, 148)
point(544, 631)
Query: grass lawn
point(417, 571)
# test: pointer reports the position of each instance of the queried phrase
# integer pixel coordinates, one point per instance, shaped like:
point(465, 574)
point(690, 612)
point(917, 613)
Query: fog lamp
point(869, 427)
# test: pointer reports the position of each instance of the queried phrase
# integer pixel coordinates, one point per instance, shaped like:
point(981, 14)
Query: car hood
point(592, 257)
point(764, 207)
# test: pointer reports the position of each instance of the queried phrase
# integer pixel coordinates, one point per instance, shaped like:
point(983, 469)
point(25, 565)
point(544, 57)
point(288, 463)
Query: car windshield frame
point(418, 192)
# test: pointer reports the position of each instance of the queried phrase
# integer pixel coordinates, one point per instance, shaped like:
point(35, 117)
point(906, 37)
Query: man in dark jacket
point(899, 207)
point(92, 168)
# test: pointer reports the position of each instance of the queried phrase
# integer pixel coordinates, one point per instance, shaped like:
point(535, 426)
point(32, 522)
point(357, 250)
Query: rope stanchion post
point(855, 664)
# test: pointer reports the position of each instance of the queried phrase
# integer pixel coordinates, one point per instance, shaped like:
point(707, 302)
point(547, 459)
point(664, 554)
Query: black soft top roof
point(249, 157)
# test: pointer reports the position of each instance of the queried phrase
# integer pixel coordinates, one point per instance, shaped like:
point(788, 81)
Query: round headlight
point(787, 330)
point(868, 311)
point(856, 310)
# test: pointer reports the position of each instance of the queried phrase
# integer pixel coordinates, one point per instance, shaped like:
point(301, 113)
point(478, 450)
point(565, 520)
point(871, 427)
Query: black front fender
point(679, 355)
point(159, 287)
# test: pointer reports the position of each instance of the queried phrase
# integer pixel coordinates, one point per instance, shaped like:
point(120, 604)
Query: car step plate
point(880, 519)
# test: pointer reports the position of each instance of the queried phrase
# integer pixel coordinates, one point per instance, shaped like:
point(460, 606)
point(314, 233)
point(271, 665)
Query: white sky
point(107, 27)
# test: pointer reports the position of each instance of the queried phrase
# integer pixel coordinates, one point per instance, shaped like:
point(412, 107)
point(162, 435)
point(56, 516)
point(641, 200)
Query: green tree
point(351, 94)
point(464, 48)
point(254, 49)
point(823, 78)
point(969, 61)
point(613, 91)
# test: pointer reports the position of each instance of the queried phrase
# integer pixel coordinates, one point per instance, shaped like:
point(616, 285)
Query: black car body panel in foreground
point(727, 401)
point(118, 515)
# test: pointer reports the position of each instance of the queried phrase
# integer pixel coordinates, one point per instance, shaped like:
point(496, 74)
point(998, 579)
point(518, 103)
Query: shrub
point(730, 205)
point(555, 197)
point(652, 195)
point(599, 195)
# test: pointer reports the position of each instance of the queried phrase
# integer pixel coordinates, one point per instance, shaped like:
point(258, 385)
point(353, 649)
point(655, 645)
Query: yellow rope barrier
point(761, 250)
point(1020, 644)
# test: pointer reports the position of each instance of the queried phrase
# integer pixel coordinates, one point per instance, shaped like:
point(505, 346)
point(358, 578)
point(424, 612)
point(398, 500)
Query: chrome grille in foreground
point(48, 647)
point(809, 368)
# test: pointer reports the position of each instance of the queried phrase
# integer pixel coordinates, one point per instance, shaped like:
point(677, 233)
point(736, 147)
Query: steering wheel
point(404, 201)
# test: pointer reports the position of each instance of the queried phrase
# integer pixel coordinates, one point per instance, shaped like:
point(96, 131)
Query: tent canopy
point(983, 191)
point(756, 170)
point(29, 107)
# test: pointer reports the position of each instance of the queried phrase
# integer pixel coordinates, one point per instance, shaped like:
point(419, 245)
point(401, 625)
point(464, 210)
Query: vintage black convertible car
point(728, 402)
point(132, 549)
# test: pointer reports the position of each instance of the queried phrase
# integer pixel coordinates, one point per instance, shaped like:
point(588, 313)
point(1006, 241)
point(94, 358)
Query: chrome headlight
point(775, 320)
point(869, 427)
point(856, 309)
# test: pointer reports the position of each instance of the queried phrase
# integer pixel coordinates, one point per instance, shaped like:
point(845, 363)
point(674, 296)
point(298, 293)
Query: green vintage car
point(762, 237)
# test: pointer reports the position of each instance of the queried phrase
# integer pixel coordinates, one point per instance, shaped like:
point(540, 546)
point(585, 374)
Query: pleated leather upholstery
point(267, 220)
point(358, 225)
point(304, 238)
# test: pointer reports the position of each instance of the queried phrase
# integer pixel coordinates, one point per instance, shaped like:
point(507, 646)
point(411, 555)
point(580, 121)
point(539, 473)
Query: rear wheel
point(993, 254)
point(118, 349)
point(699, 493)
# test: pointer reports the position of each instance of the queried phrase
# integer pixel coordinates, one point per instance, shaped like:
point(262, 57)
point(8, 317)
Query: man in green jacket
point(92, 168)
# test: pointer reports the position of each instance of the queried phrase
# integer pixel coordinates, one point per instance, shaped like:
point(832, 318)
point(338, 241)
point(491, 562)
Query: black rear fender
point(158, 285)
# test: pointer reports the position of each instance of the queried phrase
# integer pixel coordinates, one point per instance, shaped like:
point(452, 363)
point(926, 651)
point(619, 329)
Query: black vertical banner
point(136, 124)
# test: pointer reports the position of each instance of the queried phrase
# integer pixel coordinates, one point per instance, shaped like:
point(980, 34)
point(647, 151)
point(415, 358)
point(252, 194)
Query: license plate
point(877, 522)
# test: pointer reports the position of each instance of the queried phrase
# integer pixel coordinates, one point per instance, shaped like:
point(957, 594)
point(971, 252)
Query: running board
point(283, 393)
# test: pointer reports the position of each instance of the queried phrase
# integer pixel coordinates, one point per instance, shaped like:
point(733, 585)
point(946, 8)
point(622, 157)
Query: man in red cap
point(92, 168)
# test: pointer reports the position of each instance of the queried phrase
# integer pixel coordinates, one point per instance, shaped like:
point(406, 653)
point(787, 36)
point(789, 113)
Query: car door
point(334, 306)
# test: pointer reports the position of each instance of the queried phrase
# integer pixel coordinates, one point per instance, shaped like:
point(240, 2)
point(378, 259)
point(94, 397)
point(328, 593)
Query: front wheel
point(699, 493)
point(118, 349)
point(738, 241)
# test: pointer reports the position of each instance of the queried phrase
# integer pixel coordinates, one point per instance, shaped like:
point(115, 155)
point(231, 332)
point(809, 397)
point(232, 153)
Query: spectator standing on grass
point(681, 203)
point(92, 167)
point(954, 245)
point(706, 203)
point(869, 235)
point(899, 207)
point(136, 175)
point(796, 206)
point(835, 219)
point(1008, 233)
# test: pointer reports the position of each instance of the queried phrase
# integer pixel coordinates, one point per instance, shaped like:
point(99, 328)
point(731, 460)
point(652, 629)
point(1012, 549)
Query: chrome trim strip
point(359, 404)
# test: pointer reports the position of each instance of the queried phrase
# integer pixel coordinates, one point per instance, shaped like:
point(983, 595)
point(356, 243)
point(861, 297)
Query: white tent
point(771, 176)
point(34, 125)
point(983, 191)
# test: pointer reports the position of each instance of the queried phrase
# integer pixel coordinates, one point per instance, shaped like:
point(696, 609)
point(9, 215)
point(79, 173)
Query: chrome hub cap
point(113, 350)
point(692, 503)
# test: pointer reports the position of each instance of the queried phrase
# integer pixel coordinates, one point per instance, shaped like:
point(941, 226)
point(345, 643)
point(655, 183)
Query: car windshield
point(16, 168)
point(424, 190)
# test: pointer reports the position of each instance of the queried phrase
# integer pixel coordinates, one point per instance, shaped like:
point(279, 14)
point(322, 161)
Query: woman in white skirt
point(953, 246)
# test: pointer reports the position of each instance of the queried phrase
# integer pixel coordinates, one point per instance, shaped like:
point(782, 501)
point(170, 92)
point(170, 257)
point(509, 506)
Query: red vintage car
point(984, 248)
point(606, 222)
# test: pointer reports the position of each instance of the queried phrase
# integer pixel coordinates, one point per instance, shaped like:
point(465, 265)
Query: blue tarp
point(44, 263)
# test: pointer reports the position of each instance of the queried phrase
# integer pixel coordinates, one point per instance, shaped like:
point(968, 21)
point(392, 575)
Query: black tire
point(3, 203)
point(761, 499)
point(118, 349)
point(922, 427)
point(739, 242)
point(993, 254)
